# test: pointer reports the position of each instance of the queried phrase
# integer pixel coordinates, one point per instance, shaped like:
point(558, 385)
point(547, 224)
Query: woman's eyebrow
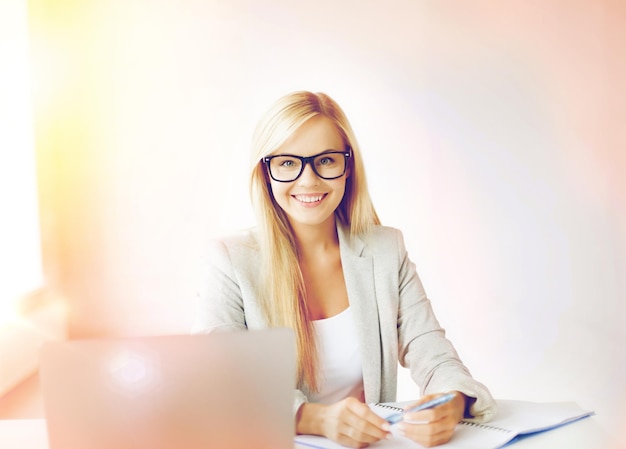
point(330, 150)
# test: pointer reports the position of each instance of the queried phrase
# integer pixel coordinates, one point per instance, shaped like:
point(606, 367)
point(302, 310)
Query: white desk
point(584, 434)
point(23, 434)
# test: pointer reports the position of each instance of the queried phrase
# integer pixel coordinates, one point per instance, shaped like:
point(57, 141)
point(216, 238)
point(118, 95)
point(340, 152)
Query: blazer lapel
point(358, 271)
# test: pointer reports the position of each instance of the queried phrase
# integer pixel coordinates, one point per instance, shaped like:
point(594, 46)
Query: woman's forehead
point(316, 135)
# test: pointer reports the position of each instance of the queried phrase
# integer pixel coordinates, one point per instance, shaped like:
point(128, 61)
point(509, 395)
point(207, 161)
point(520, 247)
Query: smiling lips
point(310, 200)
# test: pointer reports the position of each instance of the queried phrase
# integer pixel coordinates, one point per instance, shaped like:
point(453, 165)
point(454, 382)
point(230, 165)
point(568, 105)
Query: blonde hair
point(282, 293)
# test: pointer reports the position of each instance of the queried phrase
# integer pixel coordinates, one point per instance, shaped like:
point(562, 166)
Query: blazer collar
point(348, 243)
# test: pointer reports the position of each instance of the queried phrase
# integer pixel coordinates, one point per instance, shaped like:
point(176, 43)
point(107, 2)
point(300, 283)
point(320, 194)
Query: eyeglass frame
point(347, 153)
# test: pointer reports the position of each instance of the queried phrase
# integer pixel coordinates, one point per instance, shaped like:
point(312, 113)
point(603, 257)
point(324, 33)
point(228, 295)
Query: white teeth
point(309, 199)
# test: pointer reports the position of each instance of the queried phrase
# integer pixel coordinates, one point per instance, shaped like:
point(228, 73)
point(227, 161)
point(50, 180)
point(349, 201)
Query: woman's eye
point(287, 163)
point(326, 161)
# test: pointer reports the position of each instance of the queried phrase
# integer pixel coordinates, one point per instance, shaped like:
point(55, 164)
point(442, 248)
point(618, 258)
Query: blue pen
point(397, 417)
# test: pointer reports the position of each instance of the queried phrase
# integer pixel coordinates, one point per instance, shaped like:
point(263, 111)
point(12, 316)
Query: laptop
point(226, 390)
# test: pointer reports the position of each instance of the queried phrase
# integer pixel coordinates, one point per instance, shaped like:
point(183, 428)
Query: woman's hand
point(434, 426)
point(348, 422)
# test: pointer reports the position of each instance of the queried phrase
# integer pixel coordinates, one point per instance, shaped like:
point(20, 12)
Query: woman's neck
point(315, 239)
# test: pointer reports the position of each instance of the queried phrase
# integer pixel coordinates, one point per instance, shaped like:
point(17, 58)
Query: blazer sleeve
point(219, 304)
point(226, 299)
point(423, 347)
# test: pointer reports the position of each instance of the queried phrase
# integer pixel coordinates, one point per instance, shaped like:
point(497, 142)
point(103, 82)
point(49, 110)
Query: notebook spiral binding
point(389, 407)
point(484, 426)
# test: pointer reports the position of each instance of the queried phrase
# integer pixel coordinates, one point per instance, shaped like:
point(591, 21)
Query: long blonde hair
point(282, 293)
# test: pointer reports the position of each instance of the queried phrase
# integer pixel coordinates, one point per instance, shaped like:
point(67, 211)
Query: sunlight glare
point(20, 254)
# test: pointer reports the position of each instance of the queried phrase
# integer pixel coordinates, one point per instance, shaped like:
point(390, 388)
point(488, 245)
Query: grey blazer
point(394, 319)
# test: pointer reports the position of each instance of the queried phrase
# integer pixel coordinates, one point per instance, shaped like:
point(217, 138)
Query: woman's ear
point(268, 184)
point(266, 177)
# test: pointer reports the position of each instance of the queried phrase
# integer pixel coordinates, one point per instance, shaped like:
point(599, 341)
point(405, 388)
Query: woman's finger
point(365, 424)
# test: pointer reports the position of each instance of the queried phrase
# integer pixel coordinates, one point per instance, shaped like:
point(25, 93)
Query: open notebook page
point(512, 419)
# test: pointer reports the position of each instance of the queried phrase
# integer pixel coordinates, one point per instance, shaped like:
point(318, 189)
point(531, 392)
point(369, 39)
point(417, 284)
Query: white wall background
point(492, 133)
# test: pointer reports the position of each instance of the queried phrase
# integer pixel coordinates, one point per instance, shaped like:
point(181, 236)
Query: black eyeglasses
point(328, 165)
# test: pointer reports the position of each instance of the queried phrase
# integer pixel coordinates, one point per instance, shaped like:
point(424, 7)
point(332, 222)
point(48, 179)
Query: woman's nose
point(308, 176)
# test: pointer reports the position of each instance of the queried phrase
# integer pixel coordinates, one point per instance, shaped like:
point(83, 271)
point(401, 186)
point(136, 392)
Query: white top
point(341, 369)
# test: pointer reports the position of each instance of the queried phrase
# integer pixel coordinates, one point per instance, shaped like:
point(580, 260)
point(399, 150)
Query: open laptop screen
point(222, 390)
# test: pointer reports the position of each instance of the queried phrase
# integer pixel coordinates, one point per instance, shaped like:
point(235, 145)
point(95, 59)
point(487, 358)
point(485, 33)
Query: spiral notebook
point(514, 419)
